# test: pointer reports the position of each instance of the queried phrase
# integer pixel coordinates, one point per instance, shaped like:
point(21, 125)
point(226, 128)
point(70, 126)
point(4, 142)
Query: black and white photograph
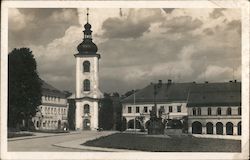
point(125, 80)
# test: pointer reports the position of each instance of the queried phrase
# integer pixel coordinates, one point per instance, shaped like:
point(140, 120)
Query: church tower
point(87, 82)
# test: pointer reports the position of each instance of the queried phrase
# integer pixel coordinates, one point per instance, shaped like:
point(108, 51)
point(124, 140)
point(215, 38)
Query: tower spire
point(87, 15)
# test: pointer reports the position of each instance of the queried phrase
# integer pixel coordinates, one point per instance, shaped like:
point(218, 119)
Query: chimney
point(169, 81)
point(159, 83)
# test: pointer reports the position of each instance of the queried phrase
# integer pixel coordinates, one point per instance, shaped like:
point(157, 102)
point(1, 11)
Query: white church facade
point(87, 92)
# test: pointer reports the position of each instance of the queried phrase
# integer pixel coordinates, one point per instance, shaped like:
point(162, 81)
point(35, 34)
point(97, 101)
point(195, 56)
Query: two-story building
point(52, 114)
point(215, 108)
point(211, 108)
point(170, 98)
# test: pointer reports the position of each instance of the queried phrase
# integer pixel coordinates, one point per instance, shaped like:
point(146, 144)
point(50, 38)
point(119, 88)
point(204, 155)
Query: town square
point(126, 80)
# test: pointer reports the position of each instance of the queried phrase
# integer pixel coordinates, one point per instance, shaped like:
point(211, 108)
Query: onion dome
point(87, 47)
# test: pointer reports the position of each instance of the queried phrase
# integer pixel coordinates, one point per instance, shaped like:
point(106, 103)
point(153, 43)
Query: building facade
point(170, 99)
point(52, 114)
point(210, 108)
point(87, 93)
point(215, 109)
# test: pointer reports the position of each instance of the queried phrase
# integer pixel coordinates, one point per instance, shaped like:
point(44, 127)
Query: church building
point(87, 92)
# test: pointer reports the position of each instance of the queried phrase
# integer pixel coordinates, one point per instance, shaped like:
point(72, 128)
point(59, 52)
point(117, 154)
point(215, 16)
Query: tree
point(106, 119)
point(24, 87)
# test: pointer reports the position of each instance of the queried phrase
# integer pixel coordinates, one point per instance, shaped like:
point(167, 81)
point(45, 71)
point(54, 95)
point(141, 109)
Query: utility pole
point(134, 113)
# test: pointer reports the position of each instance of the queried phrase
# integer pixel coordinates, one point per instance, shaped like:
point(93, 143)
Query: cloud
point(168, 10)
point(217, 13)
point(17, 20)
point(133, 25)
point(39, 26)
point(235, 25)
point(216, 72)
point(208, 31)
point(137, 47)
point(182, 24)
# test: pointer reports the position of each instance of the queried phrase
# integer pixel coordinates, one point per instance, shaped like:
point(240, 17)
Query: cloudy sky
point(137, 46)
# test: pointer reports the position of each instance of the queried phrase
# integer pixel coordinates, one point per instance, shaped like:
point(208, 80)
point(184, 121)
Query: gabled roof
point(49, 90)
point(215, 94)
point(166, 92)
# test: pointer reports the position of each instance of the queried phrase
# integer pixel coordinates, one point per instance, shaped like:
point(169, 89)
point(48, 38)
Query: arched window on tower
point(86, 85)
point(86, 66)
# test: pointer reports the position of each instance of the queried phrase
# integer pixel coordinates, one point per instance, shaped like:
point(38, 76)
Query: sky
point(137, 46)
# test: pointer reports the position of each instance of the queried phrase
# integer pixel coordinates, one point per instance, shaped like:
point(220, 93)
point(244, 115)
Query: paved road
point(45, 144)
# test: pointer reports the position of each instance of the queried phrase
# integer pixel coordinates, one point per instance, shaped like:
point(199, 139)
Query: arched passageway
point(209, 127)
point(131, 124)
point(219, 128)
point(229, 128)
point(196, 127)
point(239, 128)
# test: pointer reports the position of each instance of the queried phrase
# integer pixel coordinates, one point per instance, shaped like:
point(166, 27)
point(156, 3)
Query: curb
point(34, 137)
point(100, 149)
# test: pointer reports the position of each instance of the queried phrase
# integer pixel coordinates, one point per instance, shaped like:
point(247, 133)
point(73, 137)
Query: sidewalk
point(77, 144)
point(42, 135)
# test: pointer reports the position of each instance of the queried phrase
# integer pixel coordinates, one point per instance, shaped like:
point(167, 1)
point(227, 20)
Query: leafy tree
point(71, 114)
point(24, 87)
point(106, 119)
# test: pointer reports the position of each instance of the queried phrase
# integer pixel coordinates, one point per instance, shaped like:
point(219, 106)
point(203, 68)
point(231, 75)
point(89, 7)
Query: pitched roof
point(215, 94)
point(195, 94)
point(49, 90)
point(166, 92)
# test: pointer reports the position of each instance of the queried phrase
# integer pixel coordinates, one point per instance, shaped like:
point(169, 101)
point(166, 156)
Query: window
point(86, 66)
point(239, 110)
point(194, 111)
point(229, 111)
point(170, 109)
point(86, 109)
point(199, 111)
point(209, 112)
point(86, 85)
point(137, 109)
point(178, 108)
point(129, 110)
point(145, 109)
point(218, 111)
